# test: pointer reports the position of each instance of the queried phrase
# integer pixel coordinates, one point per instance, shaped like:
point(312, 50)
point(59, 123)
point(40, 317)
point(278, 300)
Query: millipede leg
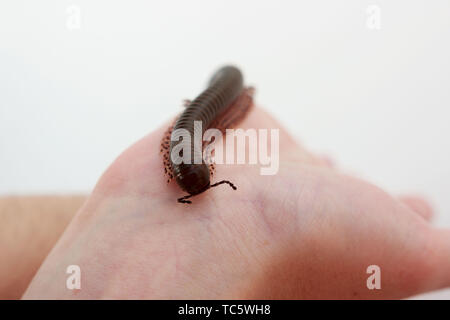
point(186, 103)
point(212, 168)
point(165, 151)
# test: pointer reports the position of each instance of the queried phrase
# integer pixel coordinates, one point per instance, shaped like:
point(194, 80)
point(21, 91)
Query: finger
point(440, 249)
point(418, 205)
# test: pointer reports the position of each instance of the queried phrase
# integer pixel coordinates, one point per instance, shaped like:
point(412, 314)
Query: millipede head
point(192, 178)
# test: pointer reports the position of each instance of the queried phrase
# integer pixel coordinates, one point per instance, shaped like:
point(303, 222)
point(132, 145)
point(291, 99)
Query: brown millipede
point(222, 104)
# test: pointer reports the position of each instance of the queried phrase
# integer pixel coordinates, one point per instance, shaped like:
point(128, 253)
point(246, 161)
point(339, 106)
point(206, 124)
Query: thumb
point(419, 205)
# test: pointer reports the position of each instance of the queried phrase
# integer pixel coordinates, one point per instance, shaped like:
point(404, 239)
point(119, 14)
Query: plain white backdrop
point(81, 80)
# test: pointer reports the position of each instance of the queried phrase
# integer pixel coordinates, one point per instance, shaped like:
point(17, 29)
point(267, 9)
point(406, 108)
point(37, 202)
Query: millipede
point(223, 104)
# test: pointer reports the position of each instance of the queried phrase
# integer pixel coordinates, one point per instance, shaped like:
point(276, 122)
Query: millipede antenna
point(184, 199)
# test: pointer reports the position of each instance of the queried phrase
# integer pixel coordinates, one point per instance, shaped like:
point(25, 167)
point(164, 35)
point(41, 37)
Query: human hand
point(307, 232)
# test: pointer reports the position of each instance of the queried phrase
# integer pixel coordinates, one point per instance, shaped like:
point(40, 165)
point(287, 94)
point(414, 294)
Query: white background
point(377, 101)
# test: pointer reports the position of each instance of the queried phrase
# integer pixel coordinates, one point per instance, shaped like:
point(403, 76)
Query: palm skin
point(307, 232)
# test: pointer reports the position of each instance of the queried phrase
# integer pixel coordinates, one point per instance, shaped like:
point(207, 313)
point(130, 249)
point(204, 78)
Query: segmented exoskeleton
point(221, 105)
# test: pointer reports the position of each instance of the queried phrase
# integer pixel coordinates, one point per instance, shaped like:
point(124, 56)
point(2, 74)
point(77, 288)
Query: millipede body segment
point(225, 98)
